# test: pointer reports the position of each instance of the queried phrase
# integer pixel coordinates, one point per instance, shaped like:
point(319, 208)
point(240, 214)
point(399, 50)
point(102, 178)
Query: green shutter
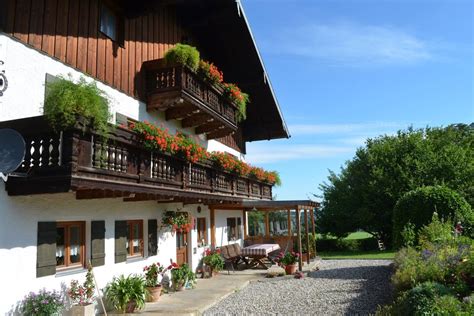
point(46, 250)
point(152, 237)
point(97, 243)
point(120, 241)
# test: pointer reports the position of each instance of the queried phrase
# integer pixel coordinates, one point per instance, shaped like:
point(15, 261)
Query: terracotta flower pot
point(179, 286)
point(290, 269)
point(155, 293)
point(131, 307)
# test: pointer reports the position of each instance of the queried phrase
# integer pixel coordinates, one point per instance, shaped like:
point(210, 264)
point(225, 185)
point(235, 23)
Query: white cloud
point(345, 43)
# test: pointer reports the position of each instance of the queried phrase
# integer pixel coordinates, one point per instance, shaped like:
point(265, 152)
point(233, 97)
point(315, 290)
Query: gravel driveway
point(340, 287)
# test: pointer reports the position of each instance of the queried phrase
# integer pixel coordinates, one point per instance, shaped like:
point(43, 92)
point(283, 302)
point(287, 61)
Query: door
point(181, 247)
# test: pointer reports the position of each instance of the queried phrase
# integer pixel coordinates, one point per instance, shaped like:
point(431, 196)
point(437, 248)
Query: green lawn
point(386, 254)
point(358, 235)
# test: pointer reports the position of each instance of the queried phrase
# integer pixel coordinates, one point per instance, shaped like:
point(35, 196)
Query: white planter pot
point(82, 310)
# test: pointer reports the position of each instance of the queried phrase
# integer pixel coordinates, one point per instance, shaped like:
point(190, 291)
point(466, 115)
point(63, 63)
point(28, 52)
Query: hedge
point(366, 244)
point(417, 207)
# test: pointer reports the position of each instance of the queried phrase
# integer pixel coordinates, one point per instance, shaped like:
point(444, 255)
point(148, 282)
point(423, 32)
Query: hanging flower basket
point(178, 222)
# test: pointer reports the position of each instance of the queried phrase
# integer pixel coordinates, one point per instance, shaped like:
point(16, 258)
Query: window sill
point(135, 259)
point(70, 271)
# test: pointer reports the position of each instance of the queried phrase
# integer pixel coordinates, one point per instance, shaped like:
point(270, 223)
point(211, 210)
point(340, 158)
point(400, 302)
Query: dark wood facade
point(79, 160)
point(68, 30)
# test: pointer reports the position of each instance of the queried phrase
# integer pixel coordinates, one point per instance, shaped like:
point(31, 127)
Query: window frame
point(119, 21)
point(201, 234)
point(237, 228)
point(130, 231)
point(67, 247)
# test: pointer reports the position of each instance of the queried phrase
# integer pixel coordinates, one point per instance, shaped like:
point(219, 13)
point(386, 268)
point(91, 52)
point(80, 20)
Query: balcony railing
point(187, 97)
point(82, 161)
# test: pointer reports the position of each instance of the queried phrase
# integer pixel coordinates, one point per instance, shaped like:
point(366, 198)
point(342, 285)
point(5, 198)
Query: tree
point(364, 193)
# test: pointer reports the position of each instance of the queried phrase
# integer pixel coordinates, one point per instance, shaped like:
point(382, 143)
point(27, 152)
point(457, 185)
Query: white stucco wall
point(221, 226)
point(18, 238)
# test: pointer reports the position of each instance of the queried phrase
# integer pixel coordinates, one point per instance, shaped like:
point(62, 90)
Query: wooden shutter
point(46, 249)
point(120, 241)
point(152, 237)
point(97, 243)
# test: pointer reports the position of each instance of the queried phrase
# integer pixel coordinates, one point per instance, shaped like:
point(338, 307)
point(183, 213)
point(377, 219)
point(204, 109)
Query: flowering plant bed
point(210, 72)
point(158, 138)
point(178, 222)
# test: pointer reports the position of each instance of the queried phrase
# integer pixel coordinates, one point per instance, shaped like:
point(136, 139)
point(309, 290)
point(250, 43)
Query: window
point(111, 24)
point(134, 242)
point(201, 231)
point(278, 223)
point(256, 223)
point(70, 250)
point(234, 228)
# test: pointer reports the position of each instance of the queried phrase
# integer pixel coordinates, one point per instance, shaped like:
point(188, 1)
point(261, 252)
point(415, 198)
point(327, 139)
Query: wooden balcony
point(79, 160)
point(187, 97)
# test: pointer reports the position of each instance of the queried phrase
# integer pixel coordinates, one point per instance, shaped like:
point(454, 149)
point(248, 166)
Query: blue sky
point(347, 70)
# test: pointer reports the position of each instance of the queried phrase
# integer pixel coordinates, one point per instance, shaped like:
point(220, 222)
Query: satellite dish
point(12, 151)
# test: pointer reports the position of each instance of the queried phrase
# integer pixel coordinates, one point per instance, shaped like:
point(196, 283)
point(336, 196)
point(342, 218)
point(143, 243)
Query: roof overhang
point(223, 35)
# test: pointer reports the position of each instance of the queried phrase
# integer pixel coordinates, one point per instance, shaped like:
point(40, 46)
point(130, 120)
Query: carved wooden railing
point(164, 79)
point(121, 158)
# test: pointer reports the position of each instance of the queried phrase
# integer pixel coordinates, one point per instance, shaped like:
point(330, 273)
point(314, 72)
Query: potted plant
point(178, 222)
point(82, 296)
point(42, 303)
point(66, 101)
point(126, 293)
point(153, 285)
point(181, 276)
point(289, 260)
point(214, 260)
point(184, 55)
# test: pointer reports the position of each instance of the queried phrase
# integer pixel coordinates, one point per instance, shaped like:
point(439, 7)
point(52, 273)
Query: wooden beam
point(244, 217)
point(213, 228)
point(196, 120)
point(307, 233)
point(220, 133)
point(267, 224)
point(181, 112)
point(208, 127)
point(289, 223)
point(298, 236)
point(314, 229)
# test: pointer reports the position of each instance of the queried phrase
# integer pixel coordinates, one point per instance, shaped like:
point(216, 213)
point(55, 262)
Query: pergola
point(307, 206)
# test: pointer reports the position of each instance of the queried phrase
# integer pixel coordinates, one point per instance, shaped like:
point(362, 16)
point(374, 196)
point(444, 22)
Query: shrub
point(447, 305)
point(420, 300)
point(66, 100)
point(340, 244)
point(183, 54)
point(408, 235)
point(436, 232)
point(418, 206)
point(44, 303)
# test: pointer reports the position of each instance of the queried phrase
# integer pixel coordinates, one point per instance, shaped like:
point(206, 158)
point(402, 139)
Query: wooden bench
point(232, 255)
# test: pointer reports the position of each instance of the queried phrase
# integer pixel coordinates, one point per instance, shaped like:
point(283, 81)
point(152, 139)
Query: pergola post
point(307, 234)
point(314, 229)
point(298, 231)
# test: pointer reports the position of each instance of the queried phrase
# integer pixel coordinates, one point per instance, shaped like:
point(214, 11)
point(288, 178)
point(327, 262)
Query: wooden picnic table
point(258, 252)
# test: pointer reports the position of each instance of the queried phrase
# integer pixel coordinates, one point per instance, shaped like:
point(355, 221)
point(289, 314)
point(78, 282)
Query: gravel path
point(340, 287)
